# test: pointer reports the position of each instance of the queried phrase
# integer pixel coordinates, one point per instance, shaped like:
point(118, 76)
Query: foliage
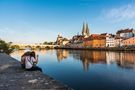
point(16, 47)
point(48, 43)
point(6, 47)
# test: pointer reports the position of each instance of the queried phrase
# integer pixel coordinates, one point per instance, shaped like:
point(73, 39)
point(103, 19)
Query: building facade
point(129, 42)
point(95, 41)
point(125, 33)
point(61, 41)
point(110, 40)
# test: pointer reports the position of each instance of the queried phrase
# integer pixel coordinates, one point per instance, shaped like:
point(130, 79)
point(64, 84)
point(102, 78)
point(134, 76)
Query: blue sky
point(31, 21)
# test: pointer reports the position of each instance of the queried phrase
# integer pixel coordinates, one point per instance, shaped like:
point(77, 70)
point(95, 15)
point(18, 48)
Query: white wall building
point(110, 41)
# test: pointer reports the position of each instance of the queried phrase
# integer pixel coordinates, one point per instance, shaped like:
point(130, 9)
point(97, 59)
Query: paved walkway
point(12, 77)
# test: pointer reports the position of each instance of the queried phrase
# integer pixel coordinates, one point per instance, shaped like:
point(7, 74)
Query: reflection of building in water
point(88, 57)
point(61, 54)
point(126, 60)
point(92, 57)
point(110, 57)
point(86, 64)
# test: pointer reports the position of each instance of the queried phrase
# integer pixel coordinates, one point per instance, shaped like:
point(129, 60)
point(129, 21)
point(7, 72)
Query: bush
point(6, 47)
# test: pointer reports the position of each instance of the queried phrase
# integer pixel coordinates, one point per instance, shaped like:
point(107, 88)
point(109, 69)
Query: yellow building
point(95, 41)
point(129, 42)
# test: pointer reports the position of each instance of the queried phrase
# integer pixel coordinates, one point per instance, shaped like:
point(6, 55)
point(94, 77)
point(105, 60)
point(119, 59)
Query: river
point(88, 70)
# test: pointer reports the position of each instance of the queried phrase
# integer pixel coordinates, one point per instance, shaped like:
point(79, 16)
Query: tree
point(6, 47)
point(45, 43)
point(48, 43)
point(16, 47)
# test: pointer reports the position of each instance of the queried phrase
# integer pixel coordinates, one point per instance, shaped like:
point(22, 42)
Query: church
point(85, 30)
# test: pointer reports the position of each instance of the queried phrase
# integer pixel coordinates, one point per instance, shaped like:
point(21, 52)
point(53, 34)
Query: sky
point(36, 21)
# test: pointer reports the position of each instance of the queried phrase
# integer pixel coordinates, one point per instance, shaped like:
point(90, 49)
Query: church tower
point(85, 30)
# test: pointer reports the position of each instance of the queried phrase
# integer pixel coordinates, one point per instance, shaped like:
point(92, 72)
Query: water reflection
point(122, 59)
point(101, 70)
point(61, 54)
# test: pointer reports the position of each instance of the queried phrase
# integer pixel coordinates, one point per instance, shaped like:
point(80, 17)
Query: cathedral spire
point(85, 30)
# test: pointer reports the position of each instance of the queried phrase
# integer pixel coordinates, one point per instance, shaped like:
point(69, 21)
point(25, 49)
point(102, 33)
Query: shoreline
point(12, 77)
point(98, 49)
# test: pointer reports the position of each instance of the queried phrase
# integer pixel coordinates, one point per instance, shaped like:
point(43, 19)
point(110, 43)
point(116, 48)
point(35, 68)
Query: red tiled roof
point(96, 37)
point(124, 31)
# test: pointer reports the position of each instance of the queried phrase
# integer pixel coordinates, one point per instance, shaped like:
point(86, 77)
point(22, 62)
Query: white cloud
point(126, 12)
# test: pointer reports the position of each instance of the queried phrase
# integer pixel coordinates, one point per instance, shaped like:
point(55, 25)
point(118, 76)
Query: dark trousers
point(35, 68)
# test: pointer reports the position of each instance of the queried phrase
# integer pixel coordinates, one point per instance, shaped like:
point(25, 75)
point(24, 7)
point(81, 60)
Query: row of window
point(99, 45)
point(128, 42)
point(110, 45)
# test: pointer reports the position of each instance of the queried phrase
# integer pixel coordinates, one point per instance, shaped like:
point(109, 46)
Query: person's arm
point(37, 58)
point(34, 60)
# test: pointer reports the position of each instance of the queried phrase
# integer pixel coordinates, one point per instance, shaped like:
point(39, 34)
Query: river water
point(88, 70)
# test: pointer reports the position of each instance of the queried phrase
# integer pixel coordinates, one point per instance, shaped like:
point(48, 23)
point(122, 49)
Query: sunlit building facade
point(129, 42)
point(95, 41)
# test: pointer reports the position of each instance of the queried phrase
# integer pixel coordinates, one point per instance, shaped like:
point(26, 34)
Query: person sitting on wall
point(23, 58)
point(30, 61)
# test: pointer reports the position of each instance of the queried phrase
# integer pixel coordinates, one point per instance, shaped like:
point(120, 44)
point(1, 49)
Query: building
point(77, 40)
point(95, 41)
point(85, 30)
point(100, 40)
point(118, 41)
point(61, 41)
point(125, 33)
point(110, 40)
point(85, 33)
point(64, 41)
point(129, 42)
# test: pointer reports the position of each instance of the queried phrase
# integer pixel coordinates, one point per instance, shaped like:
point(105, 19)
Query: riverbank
point(12, 77)
point(99, 49)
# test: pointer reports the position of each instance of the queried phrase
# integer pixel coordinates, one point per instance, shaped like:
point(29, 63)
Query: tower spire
point(84, 29)
point(87, 29)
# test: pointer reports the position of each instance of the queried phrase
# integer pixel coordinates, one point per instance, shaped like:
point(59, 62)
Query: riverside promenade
point(12, 77)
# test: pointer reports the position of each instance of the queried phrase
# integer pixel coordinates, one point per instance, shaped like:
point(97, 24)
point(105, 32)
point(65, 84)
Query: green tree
point(6, 47)
point(48, 43)
point(45, 43)
point(16, 47)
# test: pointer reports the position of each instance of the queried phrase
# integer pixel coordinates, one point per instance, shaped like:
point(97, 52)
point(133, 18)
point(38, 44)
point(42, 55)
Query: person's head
point(32, 54)
point(26, 53)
